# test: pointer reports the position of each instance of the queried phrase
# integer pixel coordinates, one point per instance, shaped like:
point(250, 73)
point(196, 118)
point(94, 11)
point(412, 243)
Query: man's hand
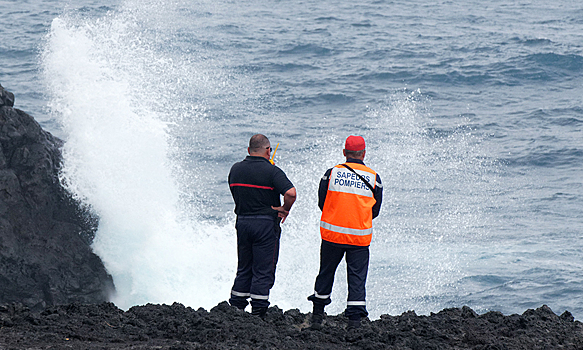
point(281, 213)
point(288, 200)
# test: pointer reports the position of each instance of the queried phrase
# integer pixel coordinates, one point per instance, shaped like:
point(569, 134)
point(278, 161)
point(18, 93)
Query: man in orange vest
point(350, 196)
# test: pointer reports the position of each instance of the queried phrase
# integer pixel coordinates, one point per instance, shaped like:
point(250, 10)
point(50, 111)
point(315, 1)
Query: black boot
point(240, 307)
point(317, 321)
point(353, 323)
point(259, 311)
point(317, 317)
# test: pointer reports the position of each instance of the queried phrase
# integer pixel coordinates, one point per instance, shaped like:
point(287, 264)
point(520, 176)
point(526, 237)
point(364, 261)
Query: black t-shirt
point(256, 185)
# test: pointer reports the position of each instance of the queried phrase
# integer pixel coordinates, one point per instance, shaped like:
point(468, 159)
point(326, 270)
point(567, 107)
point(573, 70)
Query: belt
point(269, 217)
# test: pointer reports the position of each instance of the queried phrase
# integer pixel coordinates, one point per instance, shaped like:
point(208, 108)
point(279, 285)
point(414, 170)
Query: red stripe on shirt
point(253, 186)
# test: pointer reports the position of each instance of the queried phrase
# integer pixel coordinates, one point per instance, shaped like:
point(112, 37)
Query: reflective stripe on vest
point(345, 230)
point(347, 212)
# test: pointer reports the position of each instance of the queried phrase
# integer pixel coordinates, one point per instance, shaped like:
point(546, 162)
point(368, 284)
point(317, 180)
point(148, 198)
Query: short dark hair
point(258, 142)
point(354, 154)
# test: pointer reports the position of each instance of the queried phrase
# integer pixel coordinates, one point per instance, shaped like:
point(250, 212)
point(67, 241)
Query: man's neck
point(258, 155)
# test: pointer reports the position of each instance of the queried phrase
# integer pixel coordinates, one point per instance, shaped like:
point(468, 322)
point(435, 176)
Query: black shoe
point(259, 311)
point(353, 324)
point(317, 321)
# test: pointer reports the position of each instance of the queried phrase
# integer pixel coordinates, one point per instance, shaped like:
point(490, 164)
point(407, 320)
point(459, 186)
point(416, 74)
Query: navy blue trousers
point(257, 252)
point(357, 258)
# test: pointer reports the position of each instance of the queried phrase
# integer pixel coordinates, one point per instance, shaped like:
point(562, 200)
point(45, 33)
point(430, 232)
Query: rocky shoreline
point(104, 326)
point(53, 288)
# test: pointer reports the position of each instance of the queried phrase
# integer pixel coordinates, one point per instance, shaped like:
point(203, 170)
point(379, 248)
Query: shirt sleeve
point(323, 188)
point(229, 181)
point(378, 196)
point(281, 183)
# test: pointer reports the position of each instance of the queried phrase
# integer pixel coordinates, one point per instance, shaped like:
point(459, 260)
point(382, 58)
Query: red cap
point(354, 143)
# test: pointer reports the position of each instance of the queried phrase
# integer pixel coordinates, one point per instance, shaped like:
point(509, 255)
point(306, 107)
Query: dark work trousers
point(257, 252)
point(357, 268)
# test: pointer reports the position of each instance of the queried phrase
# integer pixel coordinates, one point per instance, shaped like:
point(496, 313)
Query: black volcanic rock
point(104, 326)
point(6, 98)
point(45, 257)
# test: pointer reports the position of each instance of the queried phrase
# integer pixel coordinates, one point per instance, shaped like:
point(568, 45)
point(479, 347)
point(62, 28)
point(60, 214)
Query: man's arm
point(378, 196)
point(289, 197)
point(323, 189)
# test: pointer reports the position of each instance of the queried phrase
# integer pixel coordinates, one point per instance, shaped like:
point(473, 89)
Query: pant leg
point(242, 285)
point(265, 255)
point(330, 257)
point(357, 259)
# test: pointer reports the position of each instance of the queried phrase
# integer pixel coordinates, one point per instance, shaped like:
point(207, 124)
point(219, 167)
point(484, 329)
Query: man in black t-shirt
point(256, 186)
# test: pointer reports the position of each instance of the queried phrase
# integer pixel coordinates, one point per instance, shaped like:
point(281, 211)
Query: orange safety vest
point(347, 212)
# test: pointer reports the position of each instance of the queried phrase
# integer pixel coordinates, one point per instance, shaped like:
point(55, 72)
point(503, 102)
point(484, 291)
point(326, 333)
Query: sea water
point(472, 113)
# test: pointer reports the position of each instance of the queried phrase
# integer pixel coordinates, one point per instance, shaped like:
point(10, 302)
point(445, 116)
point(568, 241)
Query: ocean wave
point(555, 61)
point(365, 24)
point(542, 67)
point(306, 49)
point(327, 18)
point(515, 71)
point(95, 11)
point(532, 42)
point(336, 98)
point(567, 121)
point(560, 116)
point(289, 67)
point(390, 76)
point(10, 54)
point(560, 196)
point(499, 74)
point(229, 29)
point(544, 157)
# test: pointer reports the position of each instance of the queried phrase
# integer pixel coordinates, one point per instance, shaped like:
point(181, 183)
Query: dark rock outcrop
point(45, 257)
point(104, 326)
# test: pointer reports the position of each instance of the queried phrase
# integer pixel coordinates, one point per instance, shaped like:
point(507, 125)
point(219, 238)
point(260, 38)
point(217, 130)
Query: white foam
point(115, 160)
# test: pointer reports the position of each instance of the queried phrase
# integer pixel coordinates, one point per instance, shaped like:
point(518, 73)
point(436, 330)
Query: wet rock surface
point(45, 257)
point(104, 326)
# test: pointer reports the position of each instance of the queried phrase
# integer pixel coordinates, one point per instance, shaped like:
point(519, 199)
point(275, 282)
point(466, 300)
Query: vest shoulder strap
point(360, 177)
